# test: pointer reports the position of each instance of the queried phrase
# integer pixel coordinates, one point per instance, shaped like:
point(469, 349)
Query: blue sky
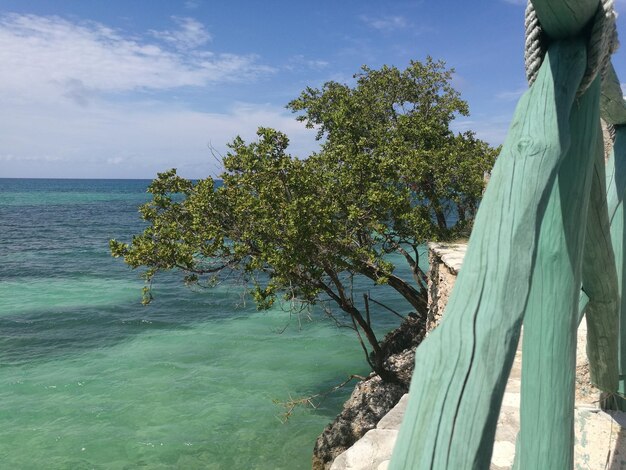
point(124, 89)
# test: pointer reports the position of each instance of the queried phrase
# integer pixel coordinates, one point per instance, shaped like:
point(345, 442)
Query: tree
point(389, 175)
point(400, 121)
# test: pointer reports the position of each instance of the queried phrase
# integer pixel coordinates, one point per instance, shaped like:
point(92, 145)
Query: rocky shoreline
point(599, 435)
point(372, 398)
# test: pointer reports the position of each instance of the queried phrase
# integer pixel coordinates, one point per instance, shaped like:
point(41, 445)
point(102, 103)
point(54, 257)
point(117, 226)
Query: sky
point(129, 88)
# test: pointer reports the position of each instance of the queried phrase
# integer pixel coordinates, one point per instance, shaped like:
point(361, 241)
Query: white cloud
point(385, 23)
point(47, 57)
point(516, 2)
point(299, 61)
point(134, 139)
point(30, 158)
point(115, 160)
point(190, 34)
point(492, 129)
point(192, 4)
point(73, 101)
point(511, 95)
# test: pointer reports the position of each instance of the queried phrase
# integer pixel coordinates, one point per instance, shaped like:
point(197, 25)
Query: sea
point(91, 379)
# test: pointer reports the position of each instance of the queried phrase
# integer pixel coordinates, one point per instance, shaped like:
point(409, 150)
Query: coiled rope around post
point(602, 43)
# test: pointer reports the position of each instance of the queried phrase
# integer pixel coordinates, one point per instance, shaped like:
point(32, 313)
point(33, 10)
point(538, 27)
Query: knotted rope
point(602, 43)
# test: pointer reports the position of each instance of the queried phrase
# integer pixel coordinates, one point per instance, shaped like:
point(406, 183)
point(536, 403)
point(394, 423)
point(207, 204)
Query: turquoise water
point(89, 378)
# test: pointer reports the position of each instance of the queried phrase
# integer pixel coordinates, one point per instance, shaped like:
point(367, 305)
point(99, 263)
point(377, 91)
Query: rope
point(608, 138)
point(534, 47)
point(602, 43)
point(612, 132)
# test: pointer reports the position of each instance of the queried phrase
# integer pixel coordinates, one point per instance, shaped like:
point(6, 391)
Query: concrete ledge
point(372, 451)
point(452, 254)
point(393, 419)
point(600, 440)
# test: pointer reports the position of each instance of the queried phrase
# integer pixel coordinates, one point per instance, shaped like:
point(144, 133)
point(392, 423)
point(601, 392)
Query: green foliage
point(394, 127)
point(387, 176)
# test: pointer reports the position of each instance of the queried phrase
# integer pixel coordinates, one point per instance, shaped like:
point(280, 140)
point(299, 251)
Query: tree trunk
point(417, 298)
point(377, 356)
point(377, 361)
point(441, 218)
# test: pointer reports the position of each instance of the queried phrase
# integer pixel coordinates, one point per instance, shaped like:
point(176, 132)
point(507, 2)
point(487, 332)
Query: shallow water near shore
point(89, 378)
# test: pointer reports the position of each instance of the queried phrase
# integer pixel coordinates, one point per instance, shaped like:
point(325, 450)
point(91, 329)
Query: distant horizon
point(61, 178)
point(87, 178)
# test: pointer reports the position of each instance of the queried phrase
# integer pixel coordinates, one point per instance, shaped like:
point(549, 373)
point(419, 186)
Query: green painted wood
point(616, 190)
point(582, 305)
point(600, 283)
point(546, 436)
point(564, 18)
point(612, 105)
point(462, 367)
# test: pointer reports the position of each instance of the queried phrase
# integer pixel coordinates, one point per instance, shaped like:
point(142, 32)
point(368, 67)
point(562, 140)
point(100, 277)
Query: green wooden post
point(603, 261)
point(462, 367)
point(551, 320)
point(613, 111)
point(616, 188)
point(600, 283)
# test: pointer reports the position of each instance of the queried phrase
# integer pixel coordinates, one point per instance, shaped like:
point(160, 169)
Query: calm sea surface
point(89, 378)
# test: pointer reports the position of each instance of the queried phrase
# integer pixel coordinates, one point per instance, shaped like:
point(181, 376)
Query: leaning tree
point(390, 175)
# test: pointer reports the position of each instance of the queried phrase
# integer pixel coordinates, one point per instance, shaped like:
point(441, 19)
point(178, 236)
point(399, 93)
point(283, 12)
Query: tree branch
point(387, 308)
point(292, 403)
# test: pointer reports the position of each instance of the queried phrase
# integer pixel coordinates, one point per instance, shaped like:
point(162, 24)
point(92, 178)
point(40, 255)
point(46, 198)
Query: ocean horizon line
point(86, 179)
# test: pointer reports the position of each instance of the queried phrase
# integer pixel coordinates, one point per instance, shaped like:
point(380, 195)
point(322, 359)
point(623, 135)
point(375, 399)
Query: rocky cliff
point(372, 398)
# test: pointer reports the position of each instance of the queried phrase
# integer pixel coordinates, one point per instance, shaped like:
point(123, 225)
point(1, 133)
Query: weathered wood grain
point(616, 189)
point(546, 436)
point(462, 367)
point(564, 18)
point(600, 283)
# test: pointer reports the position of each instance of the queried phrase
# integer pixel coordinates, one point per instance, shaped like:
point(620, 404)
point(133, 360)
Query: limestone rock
point(372, 398)
point(369, 402)
point(445, 263)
